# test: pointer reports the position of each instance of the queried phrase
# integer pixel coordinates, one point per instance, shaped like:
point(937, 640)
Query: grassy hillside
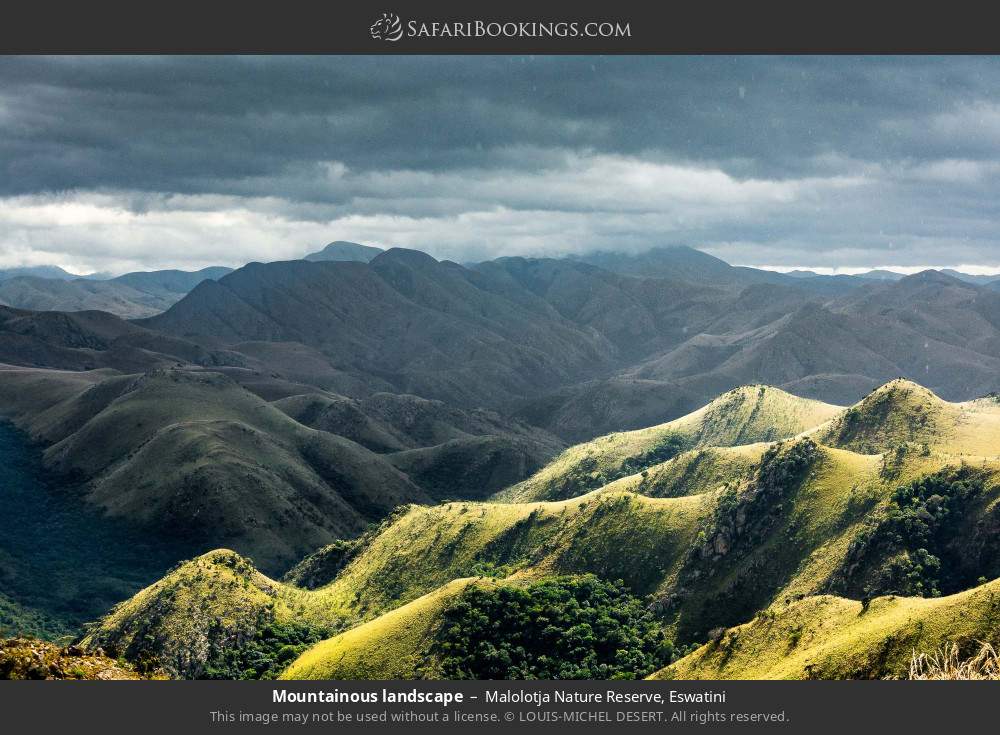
point(388, 422)
point(449, 452)
point(424, 548)
point(739, 530)
point(694, 472)
point(393, 646)
point(707, 560)
point(826, 637)
point(902, 411)
point(192, 452)
point(413, 554)
point(577, 627)
point(741, 416)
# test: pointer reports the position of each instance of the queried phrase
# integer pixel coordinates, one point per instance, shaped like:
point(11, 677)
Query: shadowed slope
point(192, 454)
point(420, 326)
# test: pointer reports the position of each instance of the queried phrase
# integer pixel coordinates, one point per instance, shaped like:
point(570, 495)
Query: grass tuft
point(946, 663)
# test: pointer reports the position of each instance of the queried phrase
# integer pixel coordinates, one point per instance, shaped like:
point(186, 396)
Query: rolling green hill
point(192, 453)
point(183, 622)
point(694, 472)
point(738, 533)
point(742, 416)
point(902, 411)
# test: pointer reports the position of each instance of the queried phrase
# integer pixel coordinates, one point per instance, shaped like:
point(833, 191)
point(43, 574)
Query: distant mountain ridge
point(565, 345)
point(159, 289)
point(132, 295)
point(37, 271)
point(344, 250)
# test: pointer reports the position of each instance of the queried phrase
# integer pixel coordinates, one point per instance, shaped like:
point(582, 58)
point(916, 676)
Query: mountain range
point(376, 427)
point(133, 295)
point(507, 361)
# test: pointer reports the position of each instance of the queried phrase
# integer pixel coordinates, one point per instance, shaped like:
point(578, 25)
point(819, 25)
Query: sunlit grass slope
point(902, 411)
point(220, 597)
point(826, 637)
point(706, 561)
point(783, 536)
point(694, 472)
point(744, 415)
point(393, 646)
point(612, 534)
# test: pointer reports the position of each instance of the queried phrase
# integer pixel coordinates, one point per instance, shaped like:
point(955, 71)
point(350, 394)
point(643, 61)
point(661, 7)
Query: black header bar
point(513, 26)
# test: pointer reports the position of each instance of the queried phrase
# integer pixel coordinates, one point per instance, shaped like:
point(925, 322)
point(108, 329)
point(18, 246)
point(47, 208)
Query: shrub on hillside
point(564, 628)
point(927, 543)
point(271, 650)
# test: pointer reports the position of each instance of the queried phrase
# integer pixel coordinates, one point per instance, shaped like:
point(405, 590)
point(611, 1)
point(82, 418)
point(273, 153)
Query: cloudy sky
point(126, 163)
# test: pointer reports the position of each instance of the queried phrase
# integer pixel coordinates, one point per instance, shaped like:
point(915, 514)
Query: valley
point(62, 564)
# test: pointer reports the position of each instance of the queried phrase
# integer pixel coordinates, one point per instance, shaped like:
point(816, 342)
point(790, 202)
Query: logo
point(387, 28)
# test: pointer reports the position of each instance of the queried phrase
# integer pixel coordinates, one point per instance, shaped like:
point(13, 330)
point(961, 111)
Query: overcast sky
point(126, 163)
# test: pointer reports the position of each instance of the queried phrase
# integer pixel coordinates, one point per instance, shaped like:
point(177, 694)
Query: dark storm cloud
point(145, 161)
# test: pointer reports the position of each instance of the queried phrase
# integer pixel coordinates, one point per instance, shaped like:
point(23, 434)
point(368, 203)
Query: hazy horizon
point(965, 268)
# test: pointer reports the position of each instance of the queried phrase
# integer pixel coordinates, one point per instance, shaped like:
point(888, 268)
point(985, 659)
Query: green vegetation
point(273, 647)
point(322, 566)
point(15, 619)
point(395, 645)
point(902, 412)
point(746, 533)
point(694, 472)
point(730, 542)
point(557, 627)
point(196, 620)
point(561, 628)
point(929, 541)
point(192, 455)
point(613, 535)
